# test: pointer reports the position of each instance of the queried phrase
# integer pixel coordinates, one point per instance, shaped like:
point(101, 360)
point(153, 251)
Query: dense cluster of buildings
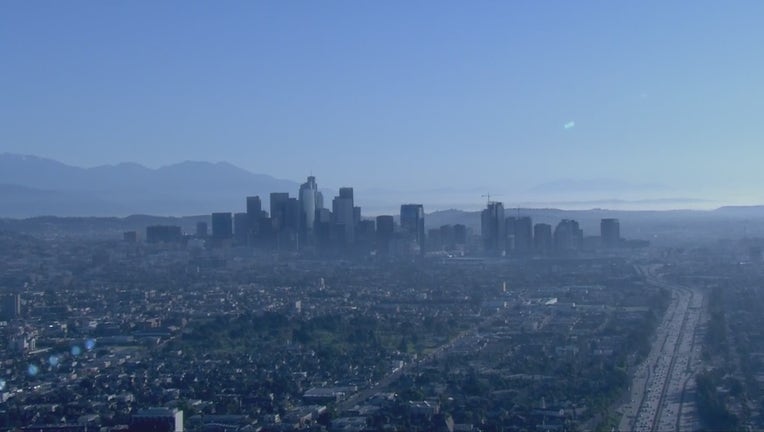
point(115, 336)
point(519, 236)
point(304, 223)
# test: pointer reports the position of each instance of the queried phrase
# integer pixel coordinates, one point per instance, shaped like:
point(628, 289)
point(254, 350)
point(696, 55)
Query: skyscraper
point(291, 215)
point(222, 226)
point(255, 216)
point(254, 207)
point(523, 235)
point(542, 238)
point(241, 228)
point(342, 211)
point(308, 206)
point(278, 208)
point(412, 223)
point(385, 231)
point(492, 227)
point(568, 236)
point(610, 231)
point(346, 192)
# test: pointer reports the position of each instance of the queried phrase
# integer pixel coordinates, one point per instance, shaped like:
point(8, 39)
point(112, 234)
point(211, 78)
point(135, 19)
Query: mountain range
point(34, 186)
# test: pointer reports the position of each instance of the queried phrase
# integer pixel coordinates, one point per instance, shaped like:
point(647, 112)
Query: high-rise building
point(278, 208)
point(344, 217)
point(412, 223)
point(254, 207)
point(222, 226)
point(568, 236)
point(385, 232)
point(241, 228)
point(255, 217)
point(492, 227)
point(542, 238)
point(319, 200)
point(346, 192)
point(610, 231)
point(292, 215)
point(365, 235)
point(308, 207)
point(523, 235)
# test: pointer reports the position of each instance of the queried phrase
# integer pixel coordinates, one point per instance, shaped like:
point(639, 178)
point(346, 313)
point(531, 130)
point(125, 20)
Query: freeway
point(660, 385)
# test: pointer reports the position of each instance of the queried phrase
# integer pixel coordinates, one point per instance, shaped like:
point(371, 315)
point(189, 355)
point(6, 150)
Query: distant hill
point(34, 186)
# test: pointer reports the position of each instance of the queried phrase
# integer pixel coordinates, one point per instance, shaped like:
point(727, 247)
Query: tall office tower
point(278, 208)
point(365, 236)
point(385, 232)
point(356, 215)
point(542, 238)
point(568, 236)
point(342, 210)
point(308, 206)
point(492, 227)
point(412, 223)
point(222, 226)
point(254, 207)
point(323, 227)
point(460, 234)
point(346, 192)
point(292, 215)
point(610, 231)
point(241, 228)
point(11, 306)
point(523, 235)
point(201, 229)
point(157, 420)
point(319, 200)
point(255, 216)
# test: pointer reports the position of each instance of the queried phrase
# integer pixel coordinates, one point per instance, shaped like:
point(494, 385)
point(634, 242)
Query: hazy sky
point(397, 95)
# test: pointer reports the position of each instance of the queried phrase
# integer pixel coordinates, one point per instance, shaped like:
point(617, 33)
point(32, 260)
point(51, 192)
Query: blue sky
point(399, 95)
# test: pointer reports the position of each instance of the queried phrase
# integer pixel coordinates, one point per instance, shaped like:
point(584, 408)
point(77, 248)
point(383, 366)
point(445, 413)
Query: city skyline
point(650, 93)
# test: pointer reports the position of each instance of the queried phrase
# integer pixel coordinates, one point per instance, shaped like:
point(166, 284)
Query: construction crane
point(487, 196)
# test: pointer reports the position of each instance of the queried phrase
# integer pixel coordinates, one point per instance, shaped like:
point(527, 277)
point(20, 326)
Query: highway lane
point(658, 399)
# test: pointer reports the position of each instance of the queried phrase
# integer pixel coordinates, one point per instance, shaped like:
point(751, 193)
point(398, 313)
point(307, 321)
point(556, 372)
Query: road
point(659, 398)
point(465, 338)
